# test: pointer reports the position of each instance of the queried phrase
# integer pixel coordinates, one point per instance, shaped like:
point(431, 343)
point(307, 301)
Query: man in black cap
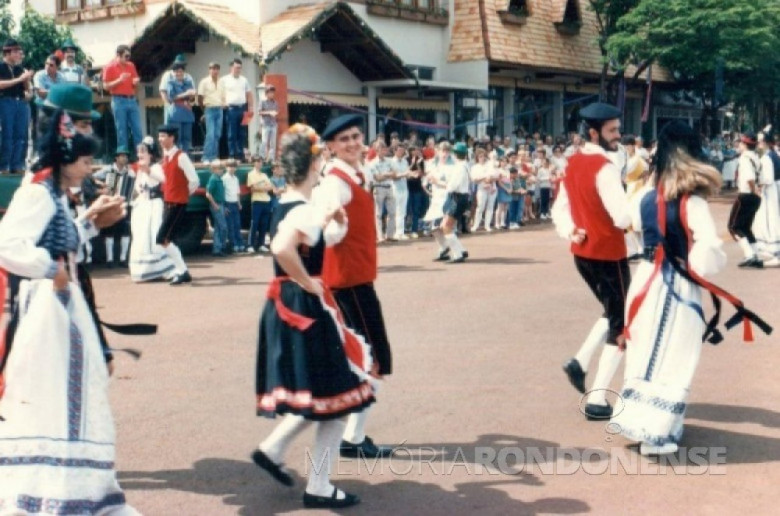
point(748, 201)
point(15, 93)
point(350, 267)
point(181, 181)
point(592, 212)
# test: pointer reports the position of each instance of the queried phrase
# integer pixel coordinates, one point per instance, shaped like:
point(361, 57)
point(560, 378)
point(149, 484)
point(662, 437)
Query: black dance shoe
point(751, 263)
point(365, 449)
point(576, 374)
point(273, 469)
point(465, 254)
point(597, 412)
point(311, 501)
point(443, 256)
point(182, 278)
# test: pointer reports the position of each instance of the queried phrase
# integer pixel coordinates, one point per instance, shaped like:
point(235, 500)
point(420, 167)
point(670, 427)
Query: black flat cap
point(341, 123)
point(599, 111)
point(168, 129)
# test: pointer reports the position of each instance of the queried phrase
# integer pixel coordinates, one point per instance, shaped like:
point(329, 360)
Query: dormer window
point(571, 21)
point(516, 12)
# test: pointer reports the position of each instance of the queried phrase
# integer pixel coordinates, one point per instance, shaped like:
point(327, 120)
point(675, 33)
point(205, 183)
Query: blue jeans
point(234, 225)
point(184, 140)
point(213, 133)
point(416, 208)
point(261, 219)
point(220, 229)
point(14, 122)
point(516, 207)
point(126, 112)
point(234, 131)
point(268, 142)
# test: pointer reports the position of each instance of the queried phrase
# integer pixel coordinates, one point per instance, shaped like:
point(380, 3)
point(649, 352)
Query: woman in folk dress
point(664, 316)
point(310, 367)
point(148, 260)
point(56, 430)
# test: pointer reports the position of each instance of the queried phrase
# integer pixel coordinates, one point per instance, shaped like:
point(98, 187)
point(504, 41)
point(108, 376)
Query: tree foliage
point(693, 38)
point(6, 20)
point(40, 36)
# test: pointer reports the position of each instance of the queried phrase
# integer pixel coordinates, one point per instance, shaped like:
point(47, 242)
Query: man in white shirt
point(240, 106)
point(400, 168)
point(592, 212)
point(381, 171)
point(181, 181)
point(748, 201)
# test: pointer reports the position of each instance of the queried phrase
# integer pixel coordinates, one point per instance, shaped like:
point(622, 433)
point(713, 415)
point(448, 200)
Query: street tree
point(714, 48)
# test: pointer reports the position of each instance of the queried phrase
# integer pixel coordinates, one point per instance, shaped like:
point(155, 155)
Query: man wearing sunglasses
point(121, 78)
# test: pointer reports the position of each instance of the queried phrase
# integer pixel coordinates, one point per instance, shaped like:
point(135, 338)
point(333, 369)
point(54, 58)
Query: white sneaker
point(488, 230)
point(514, 226)
point(474, 229)
point(264, 249)
point(402, 237)
point(205, 162)
point(665, 449)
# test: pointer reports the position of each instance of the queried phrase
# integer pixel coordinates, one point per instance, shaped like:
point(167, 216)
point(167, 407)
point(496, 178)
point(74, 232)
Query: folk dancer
point(351, 265)
point(591, 211)
point(118, 179)
point(148, 260)
point(665, 323)
point(748, 201)
point(181, 181)
point(457, 185)
point(766, 225)
point(436, 182)
point(310, 366)
point(56, 428)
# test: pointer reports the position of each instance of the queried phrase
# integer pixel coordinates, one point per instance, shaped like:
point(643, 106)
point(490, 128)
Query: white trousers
point(486, 203)
point(401, 199)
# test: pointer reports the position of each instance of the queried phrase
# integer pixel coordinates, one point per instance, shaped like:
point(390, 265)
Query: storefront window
point(479, 114)
point(534, 111)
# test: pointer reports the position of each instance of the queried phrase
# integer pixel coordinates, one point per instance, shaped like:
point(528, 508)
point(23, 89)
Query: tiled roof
point(536, 43)
point(287, 24)
point(227, 23)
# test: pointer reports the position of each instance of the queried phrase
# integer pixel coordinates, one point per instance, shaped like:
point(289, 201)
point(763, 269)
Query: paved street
point(478, 352)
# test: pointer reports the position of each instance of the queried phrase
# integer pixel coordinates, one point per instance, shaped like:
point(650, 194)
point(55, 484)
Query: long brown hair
point(686, 175)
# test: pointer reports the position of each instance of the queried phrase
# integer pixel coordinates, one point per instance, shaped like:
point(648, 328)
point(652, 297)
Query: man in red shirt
point(120, 78)
point(350, 266)
point(592, 212)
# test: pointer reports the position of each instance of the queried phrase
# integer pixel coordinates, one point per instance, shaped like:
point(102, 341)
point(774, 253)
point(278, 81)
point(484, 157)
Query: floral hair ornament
point(310, 133)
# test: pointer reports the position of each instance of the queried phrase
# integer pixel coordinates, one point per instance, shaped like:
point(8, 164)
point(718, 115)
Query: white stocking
point(326, 449)
point(596, 337)
point(275, 445)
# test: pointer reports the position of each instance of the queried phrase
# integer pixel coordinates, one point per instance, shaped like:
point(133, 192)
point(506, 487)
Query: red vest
point(176, 187)
point(352, 261)
point(604, 241)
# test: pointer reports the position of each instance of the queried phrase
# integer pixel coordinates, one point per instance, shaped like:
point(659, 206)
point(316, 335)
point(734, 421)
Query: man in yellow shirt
point(211, 98)
point(261, 187)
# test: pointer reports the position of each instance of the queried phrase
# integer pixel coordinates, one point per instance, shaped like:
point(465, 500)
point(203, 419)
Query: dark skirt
point(363, 313)
point(456, 204)
point(305, 372)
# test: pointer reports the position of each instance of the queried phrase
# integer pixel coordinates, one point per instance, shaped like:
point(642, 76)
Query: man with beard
point(592, 212)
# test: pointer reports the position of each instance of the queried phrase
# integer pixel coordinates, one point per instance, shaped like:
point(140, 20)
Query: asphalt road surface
point(485, 420)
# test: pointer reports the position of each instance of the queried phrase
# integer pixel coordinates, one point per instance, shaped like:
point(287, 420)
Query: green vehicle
point(194, 227)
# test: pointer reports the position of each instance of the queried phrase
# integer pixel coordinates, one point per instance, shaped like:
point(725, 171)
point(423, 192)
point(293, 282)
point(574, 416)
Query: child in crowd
point(233, 206)
point(503, 198)
point(544, 176)
point(261, 188)
point(215, 193)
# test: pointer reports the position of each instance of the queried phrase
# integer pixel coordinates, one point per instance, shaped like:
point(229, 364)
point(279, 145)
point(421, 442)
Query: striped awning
point(420, 104)
point(323, 99)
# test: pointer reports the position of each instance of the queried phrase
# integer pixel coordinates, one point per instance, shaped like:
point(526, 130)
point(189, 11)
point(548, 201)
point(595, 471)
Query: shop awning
point(412, 104)
point(327, 99)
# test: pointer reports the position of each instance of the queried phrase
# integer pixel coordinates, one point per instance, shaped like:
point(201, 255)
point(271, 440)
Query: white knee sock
point(173, 252)
point(109, 250)
point(276, 444)
point(439, 236)
point(355, 431)
point(125, 243)
point(747, 249)
point(596, 337)
point(456, 249)
point(326, 449)
point(608, 364)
